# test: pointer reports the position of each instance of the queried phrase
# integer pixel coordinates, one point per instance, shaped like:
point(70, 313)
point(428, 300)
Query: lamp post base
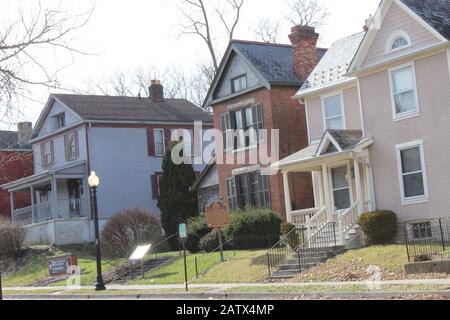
point(100, 285)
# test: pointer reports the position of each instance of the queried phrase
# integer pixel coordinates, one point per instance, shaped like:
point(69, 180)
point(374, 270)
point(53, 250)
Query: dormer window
point(398, 41)
point(239, 83)
point(60, 120)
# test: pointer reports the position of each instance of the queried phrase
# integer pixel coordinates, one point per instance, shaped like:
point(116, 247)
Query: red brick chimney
point(304, 41)
point(156, 91)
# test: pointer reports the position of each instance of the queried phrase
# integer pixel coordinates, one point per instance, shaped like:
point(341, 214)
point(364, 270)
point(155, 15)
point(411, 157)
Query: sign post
point(217, 217)
point(1, 290)
point(183, 236)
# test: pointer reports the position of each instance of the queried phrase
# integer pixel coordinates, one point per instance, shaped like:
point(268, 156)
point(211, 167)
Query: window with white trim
point(47, 154)
point(412, 172)
point(422, 230)
point(398, 41)
point(249, 190)
point(159, 142)
point(403, 89)
point(333, 112)
point(239, 83)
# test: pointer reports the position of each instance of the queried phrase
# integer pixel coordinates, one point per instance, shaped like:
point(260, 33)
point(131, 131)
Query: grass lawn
point(35, 268)
point(353, 265)
point(245, 266)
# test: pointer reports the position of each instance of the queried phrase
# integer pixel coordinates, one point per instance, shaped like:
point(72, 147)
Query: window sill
point(406, 116)
point(413, 201)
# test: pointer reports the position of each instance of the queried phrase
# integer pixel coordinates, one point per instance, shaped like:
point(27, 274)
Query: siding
point(59, 149)
point(237, 67)
point(57, 108)
point(351, 110)
point(432, 126)
point(396, 20)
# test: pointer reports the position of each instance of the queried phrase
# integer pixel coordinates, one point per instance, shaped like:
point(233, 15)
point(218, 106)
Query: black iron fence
point(310, 252)
point(278, 253)
point(427, 240)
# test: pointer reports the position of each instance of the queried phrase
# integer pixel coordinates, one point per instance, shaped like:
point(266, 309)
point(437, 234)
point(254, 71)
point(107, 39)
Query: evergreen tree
point(176, 202)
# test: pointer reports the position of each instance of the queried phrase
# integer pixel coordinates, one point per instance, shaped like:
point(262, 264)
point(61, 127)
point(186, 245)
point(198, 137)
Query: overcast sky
point(126, 35)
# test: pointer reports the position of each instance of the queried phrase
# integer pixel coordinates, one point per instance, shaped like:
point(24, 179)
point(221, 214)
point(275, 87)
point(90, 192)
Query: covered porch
point(55, 195)
point(342, 180)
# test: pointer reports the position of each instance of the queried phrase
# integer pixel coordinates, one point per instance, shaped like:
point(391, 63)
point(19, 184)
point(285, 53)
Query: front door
point(341, 188)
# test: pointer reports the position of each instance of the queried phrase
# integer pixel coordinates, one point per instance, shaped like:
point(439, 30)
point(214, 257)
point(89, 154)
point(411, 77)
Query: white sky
point(126, 35)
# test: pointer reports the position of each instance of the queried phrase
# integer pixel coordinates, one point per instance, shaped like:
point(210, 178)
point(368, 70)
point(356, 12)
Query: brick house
point(253, 90)
point(16, 161)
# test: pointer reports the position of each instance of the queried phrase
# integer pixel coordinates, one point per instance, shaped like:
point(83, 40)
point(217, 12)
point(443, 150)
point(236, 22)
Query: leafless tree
point(22, 41)
point(267, 30)
point(199, 22)
point(307, 12)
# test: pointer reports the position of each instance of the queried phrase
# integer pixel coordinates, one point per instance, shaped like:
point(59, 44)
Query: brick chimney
point(156, 91)
point(24, 130)
point(304, 41)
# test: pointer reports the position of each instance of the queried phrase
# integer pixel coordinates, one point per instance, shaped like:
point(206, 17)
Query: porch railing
point(349, 218)
point(43, 211)
point(301, 217)
point(317, 221)
point(72, 208)
point(23, 215)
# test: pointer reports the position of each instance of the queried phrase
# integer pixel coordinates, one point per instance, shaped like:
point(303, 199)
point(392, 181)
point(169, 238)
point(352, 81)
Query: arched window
point(398, 41)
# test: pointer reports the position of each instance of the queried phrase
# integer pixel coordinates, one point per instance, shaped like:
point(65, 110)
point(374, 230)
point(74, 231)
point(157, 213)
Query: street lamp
point(94, 182)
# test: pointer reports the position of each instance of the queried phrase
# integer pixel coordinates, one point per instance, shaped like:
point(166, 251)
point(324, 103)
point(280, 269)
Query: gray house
point(122, 139)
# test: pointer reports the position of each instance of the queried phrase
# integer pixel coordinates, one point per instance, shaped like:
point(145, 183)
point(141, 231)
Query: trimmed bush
point(210, 242)
point(128, 229)
point(380, 227)
point(196, 229)
point(12, 237)
point(254, 229)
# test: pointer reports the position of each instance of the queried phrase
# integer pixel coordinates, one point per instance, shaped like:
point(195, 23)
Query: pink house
point(378, 111)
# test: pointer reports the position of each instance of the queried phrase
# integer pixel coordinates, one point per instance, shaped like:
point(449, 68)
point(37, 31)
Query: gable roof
point(334, 64)
point(434, 12)
point(9, 140)
point(273, 62)
point(130, 109)
point(203, 174)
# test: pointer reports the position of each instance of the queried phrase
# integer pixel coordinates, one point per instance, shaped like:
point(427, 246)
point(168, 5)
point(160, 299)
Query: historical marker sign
point(217, 215)
point(182, 231)
point(60, 265)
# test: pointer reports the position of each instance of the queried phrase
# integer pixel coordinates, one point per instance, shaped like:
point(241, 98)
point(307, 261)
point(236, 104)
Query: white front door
point(340, 188)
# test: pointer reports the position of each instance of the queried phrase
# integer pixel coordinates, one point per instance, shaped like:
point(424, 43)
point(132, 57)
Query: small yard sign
point(140, 252)
point(182, 231)
point(58, 266)
point(217, 215)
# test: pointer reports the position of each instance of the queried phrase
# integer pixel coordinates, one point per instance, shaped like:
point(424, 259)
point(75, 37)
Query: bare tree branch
point(307, 12)
point(267, 30)
point(21, 45)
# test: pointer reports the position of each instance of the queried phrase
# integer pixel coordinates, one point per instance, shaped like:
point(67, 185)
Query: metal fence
point(427, 240)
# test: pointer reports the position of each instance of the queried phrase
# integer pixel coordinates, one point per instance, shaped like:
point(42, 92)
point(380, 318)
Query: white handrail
point(317, 221)
point(300, 217)
point(349, 218)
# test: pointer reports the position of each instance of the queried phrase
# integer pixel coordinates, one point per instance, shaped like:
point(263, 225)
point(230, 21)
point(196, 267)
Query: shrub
point(196, 229)
point(12, 237)
point(128, 229)
point(380, 227)
point(210, 242)
point(255, 228)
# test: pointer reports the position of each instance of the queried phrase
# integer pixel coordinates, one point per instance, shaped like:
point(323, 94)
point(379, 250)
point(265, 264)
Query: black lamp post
point(94, 182)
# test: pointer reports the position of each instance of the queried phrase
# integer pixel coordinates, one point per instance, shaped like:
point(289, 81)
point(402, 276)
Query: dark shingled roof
point(110, 108)
point(273, 61)
point(9, 140)
point(435, 12)
point(347, 139)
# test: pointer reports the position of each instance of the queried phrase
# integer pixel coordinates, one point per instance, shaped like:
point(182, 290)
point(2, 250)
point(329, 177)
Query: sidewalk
point(225, 286)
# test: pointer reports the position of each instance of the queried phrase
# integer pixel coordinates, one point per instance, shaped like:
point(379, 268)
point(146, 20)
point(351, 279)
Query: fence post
point(299, 261)
point(442, 235)
point(268, 263)
point(196, 267)
point(405, 231)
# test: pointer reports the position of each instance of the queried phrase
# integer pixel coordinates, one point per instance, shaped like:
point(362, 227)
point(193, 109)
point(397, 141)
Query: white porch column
point(54, 197)
point(287, 197)
point(33, 214)
point(11, 199)
point(326, 189)
point(370, 187)
point(359, 193)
